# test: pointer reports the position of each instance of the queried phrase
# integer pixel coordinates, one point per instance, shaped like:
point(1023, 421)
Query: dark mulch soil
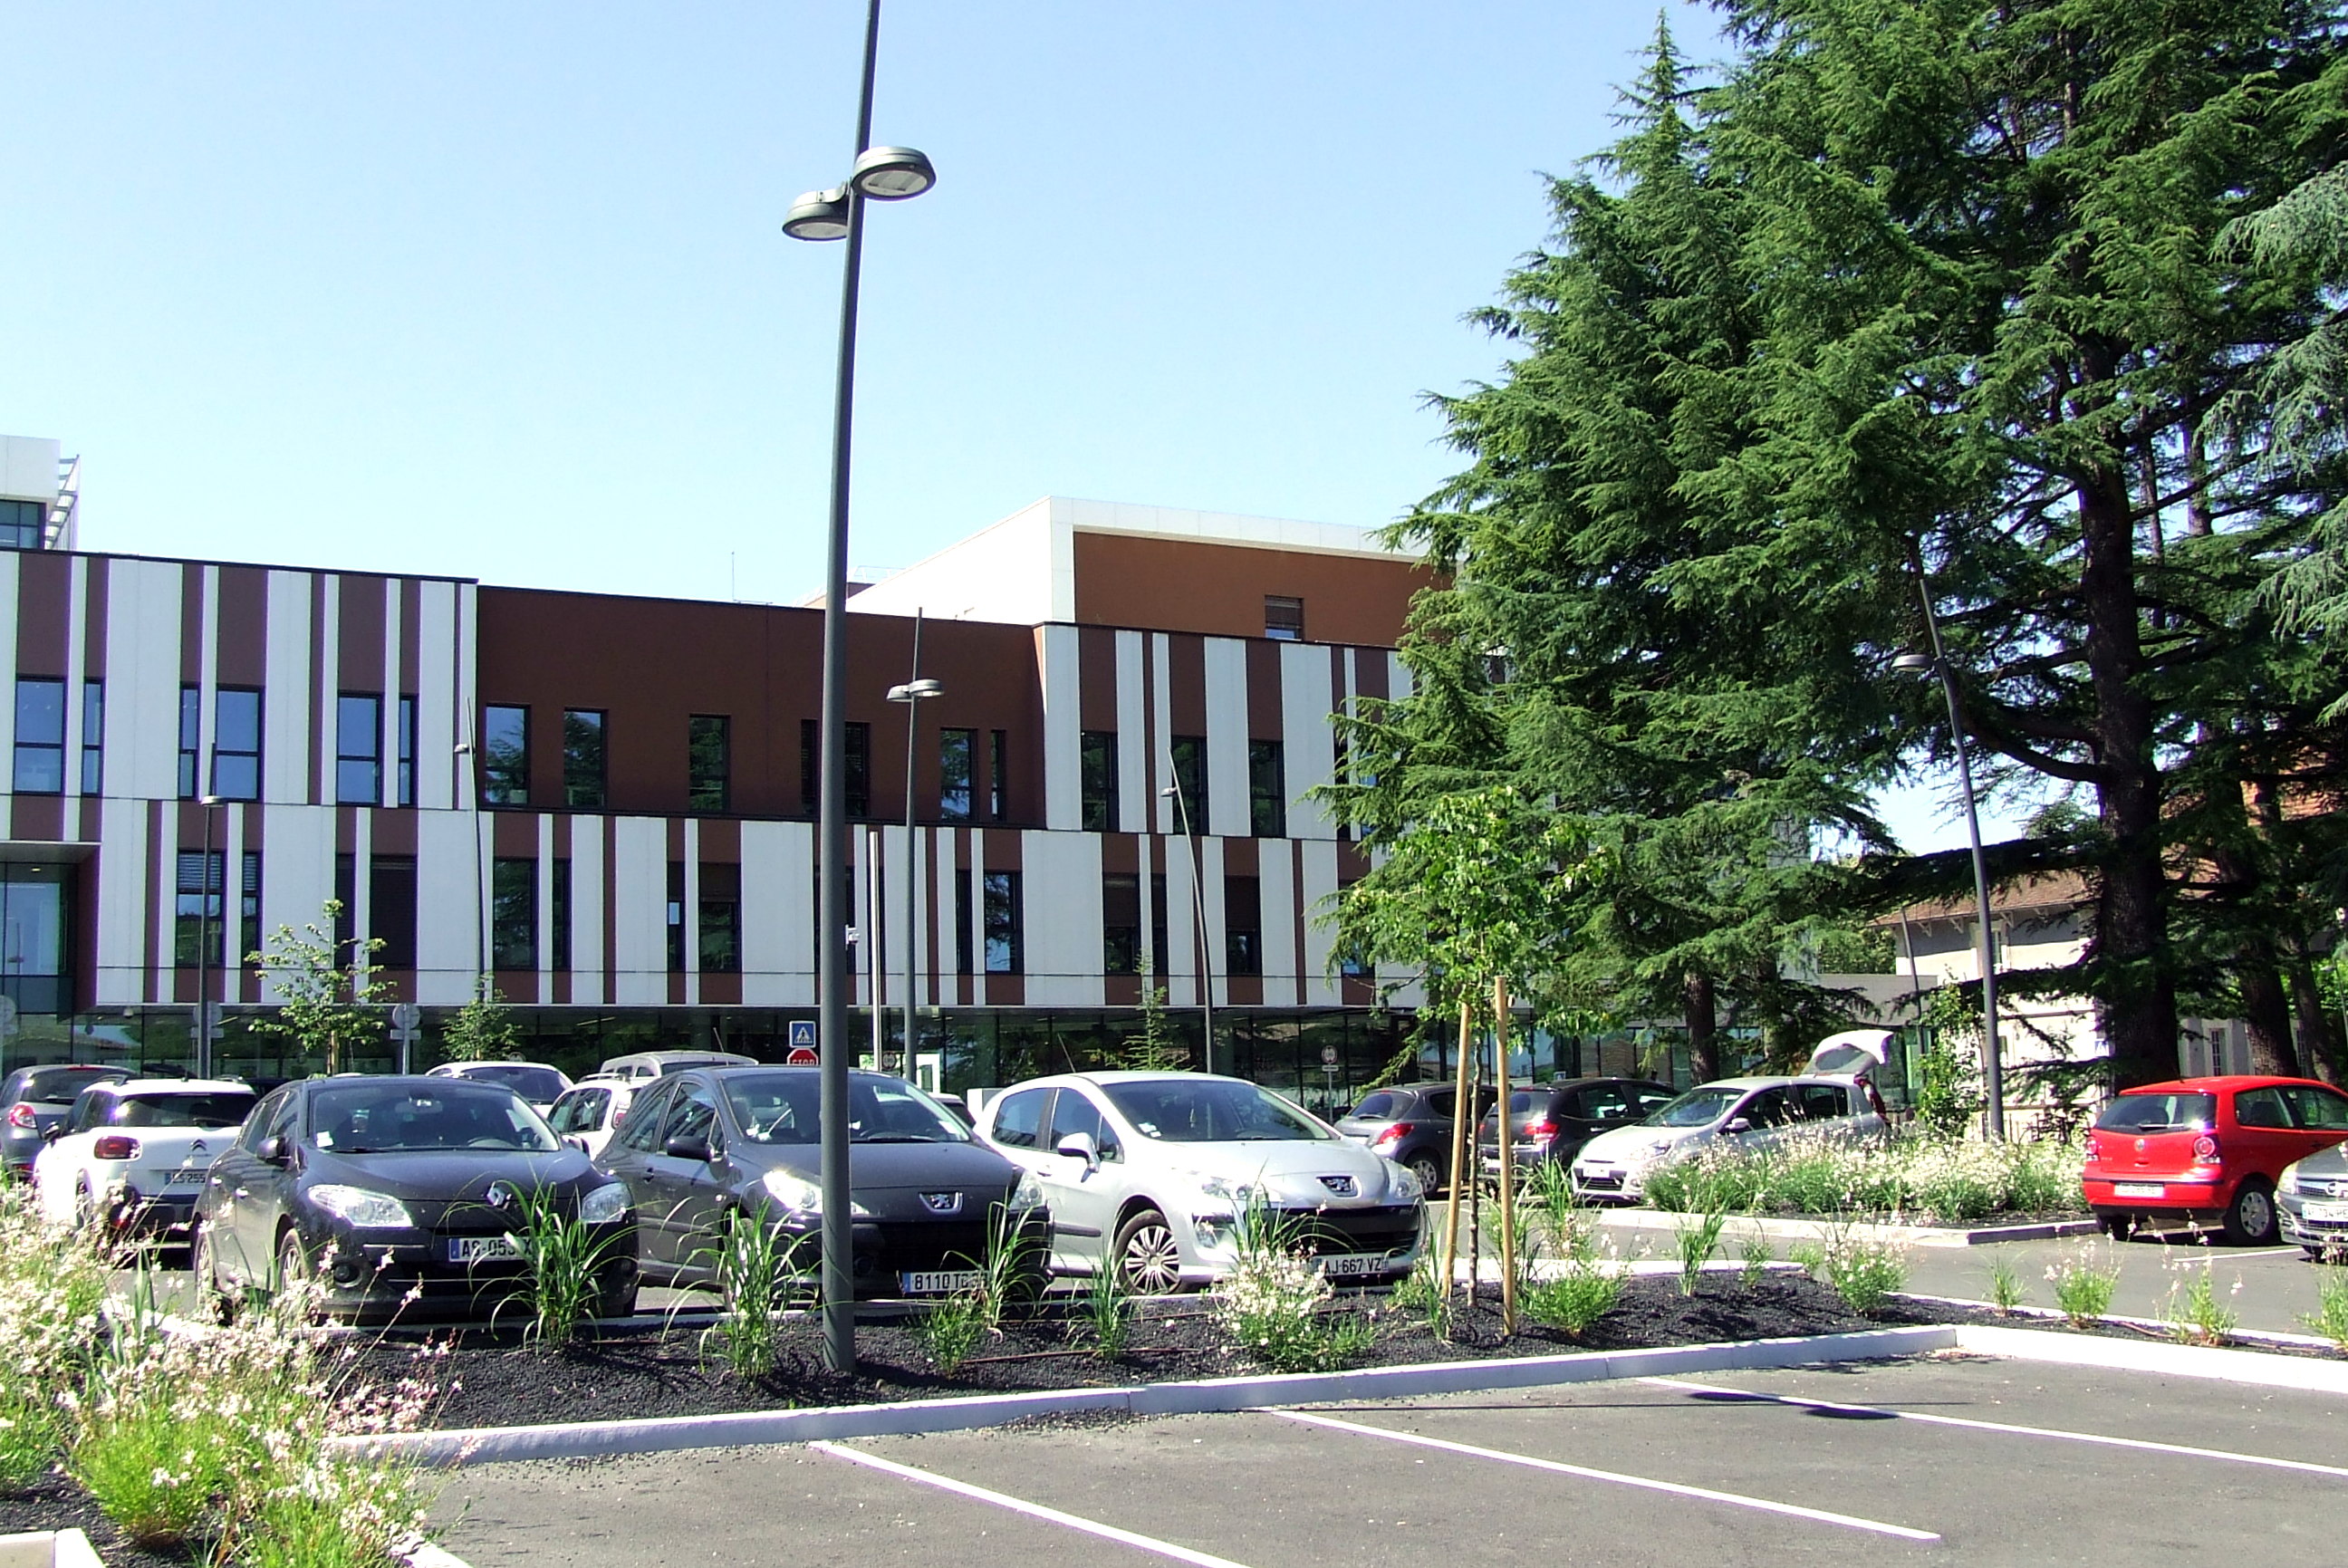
point(2248, 1339)
point(678, 1373)
point(56, 1503)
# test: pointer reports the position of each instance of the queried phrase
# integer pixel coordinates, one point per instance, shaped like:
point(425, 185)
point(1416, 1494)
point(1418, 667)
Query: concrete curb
point(1811, 1230)
point(2261, 1367)
point(488, 1445)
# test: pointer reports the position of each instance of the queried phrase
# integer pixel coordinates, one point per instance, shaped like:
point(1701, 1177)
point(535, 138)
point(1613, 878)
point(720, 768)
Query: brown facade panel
point(97, 583)
point(242, 642)
point(44, 592)
point(1265, 719)
point(1186, 685)
point(41, 818)
point(1097, 678)
point(359, 629)
point(1184, 585)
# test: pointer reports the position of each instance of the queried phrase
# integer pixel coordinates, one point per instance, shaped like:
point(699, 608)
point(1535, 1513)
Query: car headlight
point(1028, 1193)
point(363, 1208)
point(2289, 1181)
point(1403, 1182)
point(604, 1204)
point(793, 1191)
point(1235, 1193)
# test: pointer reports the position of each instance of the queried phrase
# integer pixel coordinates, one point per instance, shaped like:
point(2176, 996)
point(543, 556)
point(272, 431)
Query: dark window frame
point(1096, 780)
point(586, 780)
point(371, 758)
point(709, 763)
point(513, 913)
point(231, 788)
point(504, 768)
point(1268, 788)
point(47, 758)
point(1283, 617)
point(957, 774)
point(1187, 756)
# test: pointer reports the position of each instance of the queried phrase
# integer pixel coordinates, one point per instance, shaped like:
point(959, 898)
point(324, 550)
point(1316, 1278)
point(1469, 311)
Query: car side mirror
point(274, 1152)
point(1342, 1112)
point(1079, 1145)
point(686, 1146)
point(1738, 1124)
point(49, 1133)
point(575, 1141)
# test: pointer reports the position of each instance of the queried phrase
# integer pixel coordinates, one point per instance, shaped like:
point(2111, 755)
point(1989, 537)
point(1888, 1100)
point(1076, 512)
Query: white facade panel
point(1211, 869)
point(1161, 713)
point(1227, 737)
point(297, 870)
point(28, 467)
point(1319, 982)
point(587, 901)
point(1132, 737)
point(452, 868)
point(1062, 728)
point(945, 884)
point(1181, 960)
point(777, 933)
point(77, 645)
point(123, 900)
point(1276, 873)
point(640, 911)
point(332, 679)
point(1060, 892)
point(387, 743)
point(142, 677)
point(287, 734)
point(1307, 743)
point(437, 769)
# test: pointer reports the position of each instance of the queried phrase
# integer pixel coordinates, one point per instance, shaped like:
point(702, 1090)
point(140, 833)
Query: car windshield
point(1523, 1100)
point(404, 1116)
point(2159, 1113)
point(537, 1085)
point(1697, 1108)
point(224, 1108)
point(1210, 1111)
point(782, 1107)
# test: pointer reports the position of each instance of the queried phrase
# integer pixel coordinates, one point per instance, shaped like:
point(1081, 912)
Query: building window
point(560, 917)
point(40, 737)
point(200, 899)
point(406, 796)
point(1190, 783)
point(1099, 781)
point(391, 910)
point(505, 756)
point(236, 743)
point(721, 918)
point(1120, 923)
point(93, 738)
point(513, 913)
point(21, 524)
point(583, 757)
point(37, 929)
point(708, 763)
point(859, 768)
point(1003, 924)
point(192, 713)
point(1158, 941)
point(359, 750)
point(1242, 925)
point(998, 778)
point(1267, 790)
point(956, 750)
point(1284, 618)
point(962, 912)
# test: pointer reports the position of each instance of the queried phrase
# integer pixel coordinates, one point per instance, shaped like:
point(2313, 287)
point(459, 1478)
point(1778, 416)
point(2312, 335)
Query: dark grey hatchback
point(384, 1188)
point(930, 1200)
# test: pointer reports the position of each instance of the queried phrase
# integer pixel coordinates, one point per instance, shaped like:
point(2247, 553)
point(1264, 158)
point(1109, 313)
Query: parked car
point(1836, 1098)
point(2208, 1151)
point(1150, 1172)
point(535, 1081)
point(592, 1109)
point(375, 1186)
point(930, 1200)
point(2313, 1195)
point(34, 1100)
point(130, 1156)
point(1411, 1125)
point(1552, 1121)
point(659, 1064)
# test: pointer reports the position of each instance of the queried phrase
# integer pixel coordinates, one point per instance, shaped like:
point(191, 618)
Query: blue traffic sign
point(802, 1034)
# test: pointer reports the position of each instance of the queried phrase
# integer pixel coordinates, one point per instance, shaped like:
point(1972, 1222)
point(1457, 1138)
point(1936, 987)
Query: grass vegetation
point(2084, 1284)
point(1955, 1181)
point(1274, 1304)
point(569, 1269)
point(2329, 1318)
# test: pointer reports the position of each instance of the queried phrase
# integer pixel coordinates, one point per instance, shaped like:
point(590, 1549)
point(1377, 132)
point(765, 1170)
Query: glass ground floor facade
point(1323, 1056)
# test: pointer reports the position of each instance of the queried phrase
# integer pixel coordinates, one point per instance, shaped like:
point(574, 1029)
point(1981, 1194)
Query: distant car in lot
point(1836, 1098)
point(659, 1064)
point(376, 1185)
point(703, 1145)
point(1553, 1122)
point(34, 1100)
point(1410, 1124)
point(590, 1110)
point(2211, 1151)
point(535, 1081)
point(2313, 1195)
point(1149, 1173)
point(129, 1157)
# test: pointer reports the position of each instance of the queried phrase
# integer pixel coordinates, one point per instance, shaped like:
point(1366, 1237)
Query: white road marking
point(1707, 1494)
point(2143, 1443)
point(1032, 1510)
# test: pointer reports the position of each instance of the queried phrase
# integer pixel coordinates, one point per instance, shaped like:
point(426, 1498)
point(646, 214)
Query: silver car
point(1151, 1173)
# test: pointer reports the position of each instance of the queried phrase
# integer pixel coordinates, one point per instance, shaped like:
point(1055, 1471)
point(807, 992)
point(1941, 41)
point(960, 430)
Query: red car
point(2207, 1151)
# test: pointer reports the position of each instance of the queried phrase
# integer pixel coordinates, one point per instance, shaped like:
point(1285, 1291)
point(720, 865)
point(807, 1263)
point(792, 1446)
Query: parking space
point(1999, 1462)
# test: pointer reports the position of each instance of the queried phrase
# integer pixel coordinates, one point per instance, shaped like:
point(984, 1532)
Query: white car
point(1150, 1173)
point(534, 1081)
point(129, 1157)
point(590, 1110)
point(1836, 1099)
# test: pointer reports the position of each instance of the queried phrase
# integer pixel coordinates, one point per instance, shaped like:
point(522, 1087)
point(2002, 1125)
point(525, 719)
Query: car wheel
point(1148, 1259)
point(293, 1263)
point(213, 1304)
point(2119, 1227)
point(2251, 1217)
point(619, 1300)
point(1428, 1170)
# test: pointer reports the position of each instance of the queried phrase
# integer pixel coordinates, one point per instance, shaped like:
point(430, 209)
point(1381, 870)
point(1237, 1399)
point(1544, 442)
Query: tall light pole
point(1985, 948)
point(1198, 898)
point(912, 693)
point(210, 803)
point(878, 174)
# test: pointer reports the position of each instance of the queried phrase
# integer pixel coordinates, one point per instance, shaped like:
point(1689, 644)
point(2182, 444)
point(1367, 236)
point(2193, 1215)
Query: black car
point(32, 1101)
point(1410, 1125)
point(377, 1186)
point(1553, 1120)
point(929, 1197)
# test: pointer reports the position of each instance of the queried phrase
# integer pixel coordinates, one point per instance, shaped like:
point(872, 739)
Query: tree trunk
point(2268, 1014)
point(2318, 1041)
point(1703, 1026)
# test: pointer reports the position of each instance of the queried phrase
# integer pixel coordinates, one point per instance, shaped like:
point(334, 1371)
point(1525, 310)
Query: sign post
point(404, 1017)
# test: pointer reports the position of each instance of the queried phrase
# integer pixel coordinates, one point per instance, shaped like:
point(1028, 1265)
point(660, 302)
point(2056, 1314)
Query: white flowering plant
point(1272, 1303)
point(1952, 1180)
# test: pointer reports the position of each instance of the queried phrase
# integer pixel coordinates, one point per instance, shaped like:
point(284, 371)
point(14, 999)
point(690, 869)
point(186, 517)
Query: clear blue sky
point(498, 290)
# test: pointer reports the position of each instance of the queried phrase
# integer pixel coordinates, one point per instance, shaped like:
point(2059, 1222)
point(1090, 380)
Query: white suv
point(1152, 1171)
point(131, 1156)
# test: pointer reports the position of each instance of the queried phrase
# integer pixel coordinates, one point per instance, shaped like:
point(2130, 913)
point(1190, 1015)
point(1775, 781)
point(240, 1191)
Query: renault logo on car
point(501, 1196)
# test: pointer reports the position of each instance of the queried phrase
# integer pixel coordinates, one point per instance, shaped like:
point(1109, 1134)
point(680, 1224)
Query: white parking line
point(1032, 1510)
point(1737, 1499)
point(2007, 1427)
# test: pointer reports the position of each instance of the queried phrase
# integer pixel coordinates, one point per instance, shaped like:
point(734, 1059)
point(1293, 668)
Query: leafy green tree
point(329, 1006)
point(483, 1030)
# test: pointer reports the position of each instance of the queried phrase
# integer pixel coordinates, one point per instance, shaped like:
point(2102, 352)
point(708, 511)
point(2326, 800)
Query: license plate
point(1351, 1262)
point(2138, 1189)
point(936, 1282)
point(185, 1176)
point(481, 1248)
point(2324, 1213)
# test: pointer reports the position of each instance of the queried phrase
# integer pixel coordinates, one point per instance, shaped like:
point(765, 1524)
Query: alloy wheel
point(1150, 1261)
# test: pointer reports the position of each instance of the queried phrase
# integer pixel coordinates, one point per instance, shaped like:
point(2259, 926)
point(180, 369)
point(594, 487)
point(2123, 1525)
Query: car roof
point(182, 1086)
point(1837, 1079)
point(449, 1070)
point(2220, 1081)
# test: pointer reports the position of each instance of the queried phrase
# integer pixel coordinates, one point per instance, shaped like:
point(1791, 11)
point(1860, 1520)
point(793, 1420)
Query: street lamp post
point(1199, 899)
point(912, 693)
point(879, 174)
point(1985, 948)
point(204, 942)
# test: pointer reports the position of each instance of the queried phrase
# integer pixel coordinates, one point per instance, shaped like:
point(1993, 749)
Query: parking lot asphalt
point(1943, 1459)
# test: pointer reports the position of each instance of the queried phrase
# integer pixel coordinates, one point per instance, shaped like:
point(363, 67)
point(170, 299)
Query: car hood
point(896, 1181)
point(1284, 1173)
point(454, 1175)
point(1637, 1145)
point(2329, 1164)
